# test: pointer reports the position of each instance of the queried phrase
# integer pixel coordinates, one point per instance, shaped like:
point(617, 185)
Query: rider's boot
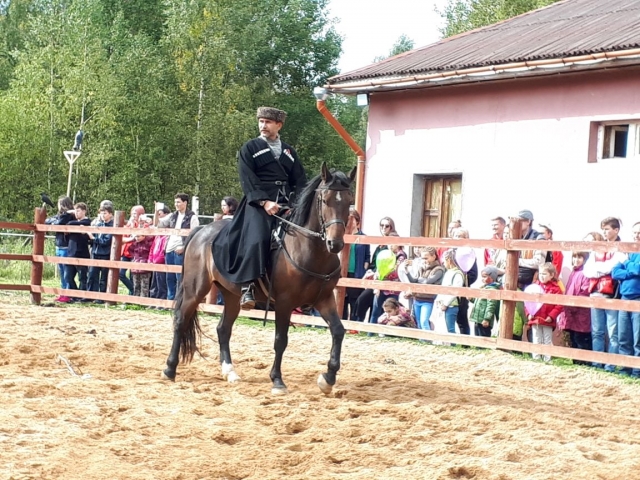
point(247, 300)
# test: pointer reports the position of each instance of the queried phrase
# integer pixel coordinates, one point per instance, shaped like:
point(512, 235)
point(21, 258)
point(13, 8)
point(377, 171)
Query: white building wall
point(540, 165)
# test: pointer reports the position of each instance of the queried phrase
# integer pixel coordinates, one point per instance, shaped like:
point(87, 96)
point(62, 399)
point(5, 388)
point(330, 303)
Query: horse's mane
point(304, 201)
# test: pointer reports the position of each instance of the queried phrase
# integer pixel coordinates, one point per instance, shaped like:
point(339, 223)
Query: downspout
point(322, 108)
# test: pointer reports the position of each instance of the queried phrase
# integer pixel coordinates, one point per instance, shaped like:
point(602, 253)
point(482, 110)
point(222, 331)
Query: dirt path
point(401, 410)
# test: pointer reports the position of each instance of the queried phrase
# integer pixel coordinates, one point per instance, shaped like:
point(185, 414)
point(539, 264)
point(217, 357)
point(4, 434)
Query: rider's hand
point(271, 207)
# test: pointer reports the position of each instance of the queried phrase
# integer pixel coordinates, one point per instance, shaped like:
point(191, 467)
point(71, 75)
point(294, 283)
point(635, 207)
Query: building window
point(614, 140)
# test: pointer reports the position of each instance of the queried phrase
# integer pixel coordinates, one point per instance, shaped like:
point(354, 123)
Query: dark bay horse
point(304, 273)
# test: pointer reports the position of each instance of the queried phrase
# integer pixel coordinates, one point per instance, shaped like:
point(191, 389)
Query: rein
point(312, 233)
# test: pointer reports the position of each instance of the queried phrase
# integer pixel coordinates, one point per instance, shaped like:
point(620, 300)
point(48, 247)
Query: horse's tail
point(190, 331)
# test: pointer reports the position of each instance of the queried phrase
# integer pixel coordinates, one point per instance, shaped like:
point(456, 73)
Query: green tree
point(166, 92)
point(464, 15)
point(403, 44)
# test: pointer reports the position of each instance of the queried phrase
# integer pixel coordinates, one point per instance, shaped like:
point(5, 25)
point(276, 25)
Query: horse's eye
point(324, 201)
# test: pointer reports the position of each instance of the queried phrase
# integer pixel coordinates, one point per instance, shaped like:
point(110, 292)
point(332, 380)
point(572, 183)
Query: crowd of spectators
point(136, 248)
point(604, 275)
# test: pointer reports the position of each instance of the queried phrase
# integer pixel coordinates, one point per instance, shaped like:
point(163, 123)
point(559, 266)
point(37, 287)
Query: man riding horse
point(270, 174)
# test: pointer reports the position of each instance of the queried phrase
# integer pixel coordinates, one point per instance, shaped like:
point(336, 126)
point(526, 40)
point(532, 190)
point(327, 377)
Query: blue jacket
point(102, 241)
point(628, 274)
point(363, 256)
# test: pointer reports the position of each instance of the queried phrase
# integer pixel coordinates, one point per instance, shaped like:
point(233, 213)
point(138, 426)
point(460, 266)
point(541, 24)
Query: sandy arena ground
point(401, 410)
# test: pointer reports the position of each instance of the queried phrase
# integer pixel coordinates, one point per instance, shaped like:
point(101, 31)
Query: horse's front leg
point(225, 326)
point(328, 310)
point(283, 317)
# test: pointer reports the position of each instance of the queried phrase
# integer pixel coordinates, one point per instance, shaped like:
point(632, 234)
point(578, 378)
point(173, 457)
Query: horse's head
point(333, 200)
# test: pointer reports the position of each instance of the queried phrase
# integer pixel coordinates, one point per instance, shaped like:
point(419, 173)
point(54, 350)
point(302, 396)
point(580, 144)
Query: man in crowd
point(628, 274)
point(174, 251)
point(598, 267)
point(498, 226)
point(270, 171)
point(530, 260)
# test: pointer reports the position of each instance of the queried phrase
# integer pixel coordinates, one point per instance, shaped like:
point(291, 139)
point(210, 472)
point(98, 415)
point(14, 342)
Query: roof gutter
point(321, 95)
point(361, 86)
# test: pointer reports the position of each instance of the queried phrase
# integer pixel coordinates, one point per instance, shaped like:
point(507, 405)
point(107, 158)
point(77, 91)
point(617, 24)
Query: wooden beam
point(39, 217)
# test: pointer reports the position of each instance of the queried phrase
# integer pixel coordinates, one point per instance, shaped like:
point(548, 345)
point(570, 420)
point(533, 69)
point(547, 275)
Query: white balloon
point(465, 258)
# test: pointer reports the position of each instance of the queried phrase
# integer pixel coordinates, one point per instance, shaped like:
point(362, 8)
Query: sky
point(370, 28)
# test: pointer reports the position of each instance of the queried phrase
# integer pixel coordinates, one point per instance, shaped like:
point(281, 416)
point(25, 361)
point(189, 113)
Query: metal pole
point(69, 181)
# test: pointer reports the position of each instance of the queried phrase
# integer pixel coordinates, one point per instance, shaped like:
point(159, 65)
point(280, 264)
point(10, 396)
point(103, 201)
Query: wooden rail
point(509, 296)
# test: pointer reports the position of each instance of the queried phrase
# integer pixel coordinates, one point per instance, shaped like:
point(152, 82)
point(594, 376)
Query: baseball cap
point(526, 215)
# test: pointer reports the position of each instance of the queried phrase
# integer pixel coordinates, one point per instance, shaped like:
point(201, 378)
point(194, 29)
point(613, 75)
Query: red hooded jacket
point(547, 309)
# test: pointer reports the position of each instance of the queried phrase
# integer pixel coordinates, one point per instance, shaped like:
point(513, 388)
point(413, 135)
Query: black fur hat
point(271, 113)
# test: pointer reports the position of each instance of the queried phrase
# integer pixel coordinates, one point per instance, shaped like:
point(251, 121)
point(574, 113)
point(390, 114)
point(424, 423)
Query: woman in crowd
point(229, 206)
point(453, 277)
point(365, 300)
point(430, 272)
point(359, 261)
point(66, 213)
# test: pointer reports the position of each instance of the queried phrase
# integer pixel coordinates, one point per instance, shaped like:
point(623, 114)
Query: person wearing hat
point(270, 174)
point(530, 260)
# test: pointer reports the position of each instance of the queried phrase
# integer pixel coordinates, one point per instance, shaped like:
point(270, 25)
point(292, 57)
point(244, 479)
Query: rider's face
point(269, 128)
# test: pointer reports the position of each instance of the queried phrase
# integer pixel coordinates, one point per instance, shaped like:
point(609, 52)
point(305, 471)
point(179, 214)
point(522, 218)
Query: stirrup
point(247, 300)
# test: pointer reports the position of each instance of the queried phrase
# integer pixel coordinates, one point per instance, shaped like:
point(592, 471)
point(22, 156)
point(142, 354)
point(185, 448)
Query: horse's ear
point(326, 174)
point(353, 173)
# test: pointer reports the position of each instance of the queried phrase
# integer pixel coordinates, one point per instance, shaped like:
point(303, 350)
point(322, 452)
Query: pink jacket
point(577, 319)
point(156, 255)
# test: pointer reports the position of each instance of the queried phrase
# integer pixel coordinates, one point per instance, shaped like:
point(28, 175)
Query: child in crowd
point(395, 315)
point(78, 248)
point(392, 276)
point(543, 321)
point(429, 273)
point(399, 252)
point(140, 249)
point(101, 250)
point(577, 320)
point(485, 310)
point(453, 277)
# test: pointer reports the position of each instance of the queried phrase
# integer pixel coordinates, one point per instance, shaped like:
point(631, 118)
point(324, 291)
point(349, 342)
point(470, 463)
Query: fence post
point(340, 292)
point(508, 307)
point(39, 216)
point(116, 251)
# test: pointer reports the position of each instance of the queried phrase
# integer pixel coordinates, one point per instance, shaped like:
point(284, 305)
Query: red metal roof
point(565, 29)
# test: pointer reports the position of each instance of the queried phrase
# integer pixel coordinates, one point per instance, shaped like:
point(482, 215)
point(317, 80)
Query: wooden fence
point(509, 296)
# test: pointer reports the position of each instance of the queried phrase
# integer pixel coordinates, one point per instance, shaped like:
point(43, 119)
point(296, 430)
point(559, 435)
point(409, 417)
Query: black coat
point(241, 250)
point(79, 242)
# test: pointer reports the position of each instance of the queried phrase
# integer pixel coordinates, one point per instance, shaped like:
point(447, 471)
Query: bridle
point(322, 234)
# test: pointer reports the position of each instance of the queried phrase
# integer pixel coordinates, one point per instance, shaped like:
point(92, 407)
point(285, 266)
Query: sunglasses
point(385, 225)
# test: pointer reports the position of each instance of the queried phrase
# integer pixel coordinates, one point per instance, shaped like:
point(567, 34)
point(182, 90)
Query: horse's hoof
point(164, 376)
point(229, 374)
point(323, 385)
point(279, 391)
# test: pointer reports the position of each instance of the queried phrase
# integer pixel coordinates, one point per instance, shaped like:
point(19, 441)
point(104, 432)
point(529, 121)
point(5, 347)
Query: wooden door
point(442, 204)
